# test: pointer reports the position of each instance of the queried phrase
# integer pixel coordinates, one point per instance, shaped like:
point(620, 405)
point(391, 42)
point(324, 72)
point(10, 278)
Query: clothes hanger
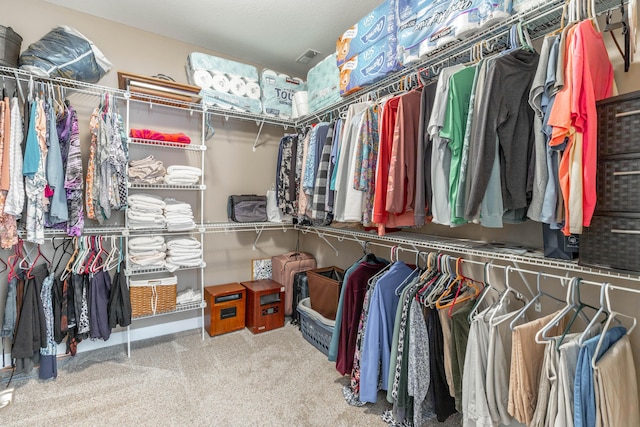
point(612, 314)
point(442, 281)
point(542, 336)
point(580, 306)
point(602, 310)
point(69, 267)
point(562, 20)
point(410, 278)
point(466, 290)
point(503, 296)
point(487, 287)
point(535, 299)
point(113, 258)
point(98, 263)
point(14, 259)
point(452, 288)
point(571, 304)
point(33, 264)
point(66, 243)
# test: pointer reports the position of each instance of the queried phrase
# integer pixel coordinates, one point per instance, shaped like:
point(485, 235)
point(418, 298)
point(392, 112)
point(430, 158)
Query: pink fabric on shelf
point(159, 136)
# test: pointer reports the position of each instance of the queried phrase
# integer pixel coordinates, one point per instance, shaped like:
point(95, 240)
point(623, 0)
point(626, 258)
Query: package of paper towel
point(225, 83)
point(278, 92)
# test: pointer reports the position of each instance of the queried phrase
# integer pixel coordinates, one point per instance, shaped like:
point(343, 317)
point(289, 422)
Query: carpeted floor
point(239, 379)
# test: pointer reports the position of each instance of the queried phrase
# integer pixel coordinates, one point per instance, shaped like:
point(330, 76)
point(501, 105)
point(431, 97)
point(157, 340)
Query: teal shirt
point(32, 149)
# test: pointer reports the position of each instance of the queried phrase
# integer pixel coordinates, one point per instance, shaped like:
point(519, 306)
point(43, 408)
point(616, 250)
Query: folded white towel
point(188, 296)
point(179, 219)
point(145, 242)
point(184, 252)
point(181, 227)
point(184, 243)
point(144, 216)
point(184, 170)
point(181, 180)
point(175, 205)
point(147, 260)
point(184, 262)
point(143, 254)
point(151, 199)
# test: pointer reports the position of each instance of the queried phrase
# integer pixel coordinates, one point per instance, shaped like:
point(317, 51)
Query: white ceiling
point(272, 33)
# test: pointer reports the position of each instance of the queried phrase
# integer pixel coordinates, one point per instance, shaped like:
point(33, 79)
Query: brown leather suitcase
point(284, 267)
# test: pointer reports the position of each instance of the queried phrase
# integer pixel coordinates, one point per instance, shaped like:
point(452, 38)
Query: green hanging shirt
point(454, 128)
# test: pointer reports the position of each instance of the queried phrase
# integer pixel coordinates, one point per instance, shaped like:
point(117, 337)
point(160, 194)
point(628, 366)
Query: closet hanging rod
point(472, 249)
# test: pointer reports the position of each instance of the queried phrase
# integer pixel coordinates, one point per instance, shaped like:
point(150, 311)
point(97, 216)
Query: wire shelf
point(163, 231)
point(137, 272)
point(166, 144)
point(53, 232)
point(166, 187)
point(417, 242)
point(226, 227)
point(179, 307)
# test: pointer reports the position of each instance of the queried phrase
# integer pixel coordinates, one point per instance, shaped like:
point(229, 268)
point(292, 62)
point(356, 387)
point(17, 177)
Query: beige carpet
point(239, 379)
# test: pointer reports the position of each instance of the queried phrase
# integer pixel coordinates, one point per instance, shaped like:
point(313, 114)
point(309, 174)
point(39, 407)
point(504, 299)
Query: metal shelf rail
point(416, 242)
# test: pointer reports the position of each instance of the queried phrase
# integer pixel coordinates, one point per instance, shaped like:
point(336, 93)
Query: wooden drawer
point(619, 125)
point(618, 186)
point(611, 242)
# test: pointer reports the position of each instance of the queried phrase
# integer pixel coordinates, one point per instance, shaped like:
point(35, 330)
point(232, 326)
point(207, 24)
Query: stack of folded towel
point(188, 296)
point(182, 175)
point(146, 171)
point(183, 252)
point(146, 211)
point(147, 252)
point(178, 215)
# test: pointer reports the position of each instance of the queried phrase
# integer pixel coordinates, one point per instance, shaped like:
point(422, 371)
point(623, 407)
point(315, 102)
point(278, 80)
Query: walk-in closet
point(455, 183)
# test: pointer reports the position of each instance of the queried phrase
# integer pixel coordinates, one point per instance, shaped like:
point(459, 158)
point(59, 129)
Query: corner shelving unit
point(200, 149)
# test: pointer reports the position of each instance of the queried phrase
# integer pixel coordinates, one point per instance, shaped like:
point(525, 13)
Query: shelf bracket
point(255, 144)
point(259, 231)
point(322, 236)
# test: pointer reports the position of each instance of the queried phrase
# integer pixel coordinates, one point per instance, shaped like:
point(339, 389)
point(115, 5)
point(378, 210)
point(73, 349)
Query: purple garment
point(70, 139)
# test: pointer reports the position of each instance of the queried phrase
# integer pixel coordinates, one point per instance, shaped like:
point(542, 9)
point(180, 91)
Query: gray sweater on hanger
point(505, 113)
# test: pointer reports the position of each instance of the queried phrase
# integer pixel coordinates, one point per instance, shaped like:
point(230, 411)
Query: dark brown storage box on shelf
point(10, 43)
point(225, 311)
point(613, 238)
point(265, 305)
point(324, 290)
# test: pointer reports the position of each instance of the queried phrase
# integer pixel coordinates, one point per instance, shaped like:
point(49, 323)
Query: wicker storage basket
point(153, 295)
